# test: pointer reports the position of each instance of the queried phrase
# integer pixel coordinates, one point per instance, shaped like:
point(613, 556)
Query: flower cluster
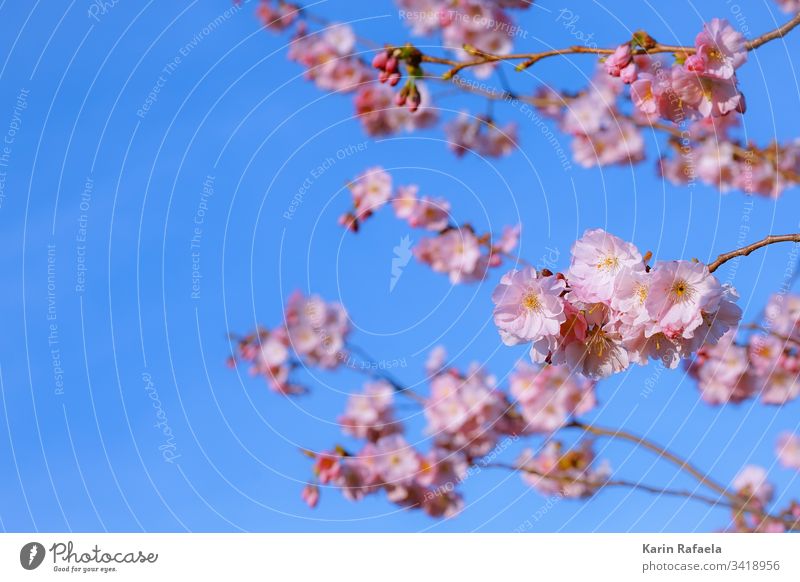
point(410, 479)
point(767, 365)
point(610, 309)
point(378, 110)
point(548, 397)
point(329, 57)
point(700, 85)
point(467, 413)
point(718, 160)
point(568, 473)
point(370, 415)
point(455, 250)
point(314, 331)
point(278, 16)
point(466, 25)
point(467, 133)
point(601, 134)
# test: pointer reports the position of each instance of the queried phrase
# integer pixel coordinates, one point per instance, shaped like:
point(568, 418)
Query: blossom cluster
point(766, 365)
point(756, 492)
point(313, 333)
point(458, 251)
point(331, 61)
point(466, 24)
point(409, 478)
point(467, 412)
point(602, 135)
point(550, 396)
point(610, 309)
point(702, 84)
point(480, 135)
point(567, 473)
point(370, 415)
point(714, 157)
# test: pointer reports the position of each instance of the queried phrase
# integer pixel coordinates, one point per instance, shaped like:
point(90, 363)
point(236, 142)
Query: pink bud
point(379, 62)
point(695, 63)
point(394, 79)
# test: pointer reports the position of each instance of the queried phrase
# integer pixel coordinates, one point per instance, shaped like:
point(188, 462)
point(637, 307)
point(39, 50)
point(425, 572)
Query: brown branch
point(529, 59)
point(744, 251)
point(779, 32)
point(660, 451)
point(618, 483)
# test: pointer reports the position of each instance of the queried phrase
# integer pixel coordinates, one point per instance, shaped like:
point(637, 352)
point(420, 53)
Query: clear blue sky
point(87, 456)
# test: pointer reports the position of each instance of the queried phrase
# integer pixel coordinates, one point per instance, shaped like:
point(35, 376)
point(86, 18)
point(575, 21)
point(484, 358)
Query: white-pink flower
point(395, 460)
point(788, 450)
point(680, 293)
point(751, 482)
point(528, 306)
point(721, 48)
point(597, 258)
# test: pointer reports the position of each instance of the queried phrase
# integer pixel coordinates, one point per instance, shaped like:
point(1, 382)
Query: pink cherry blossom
point(371, 190)
point(455, 252)
point(721, 48)
point(620, 59)
point(567, 473)
point(380, 115)
point(369, 415)
point(279, 18)
point(679, 293)
point(396, 462)
point(751, 483)
point(788, 450)
point(550, 395)
point(470, 134)
point(528, 306)
point(311, 495)
point(597, 259)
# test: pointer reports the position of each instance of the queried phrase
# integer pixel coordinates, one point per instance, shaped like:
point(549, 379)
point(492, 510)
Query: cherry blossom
point(767, 364)
point(788, 450)
point(370, 415)
point(550, 396)
point(529, 307)
point(313, 332)
point(751, 483)
point(479, 135)
point(569, 472)
point(610, 310)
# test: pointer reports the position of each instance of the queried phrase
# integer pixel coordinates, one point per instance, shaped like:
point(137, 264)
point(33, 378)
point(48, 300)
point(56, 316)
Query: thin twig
point(744, 251)
point(618, 483)
point(658, 450)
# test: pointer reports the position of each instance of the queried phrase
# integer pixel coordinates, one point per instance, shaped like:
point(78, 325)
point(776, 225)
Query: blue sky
point(104, 186)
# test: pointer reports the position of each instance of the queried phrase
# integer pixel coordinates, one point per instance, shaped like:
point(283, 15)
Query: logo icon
point(402, 255)
point(31, 555)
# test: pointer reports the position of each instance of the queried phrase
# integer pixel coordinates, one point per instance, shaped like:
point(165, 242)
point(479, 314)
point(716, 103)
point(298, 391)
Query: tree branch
point(619, 483)
point(660, 451)
point(744, 251)
point(529, 59)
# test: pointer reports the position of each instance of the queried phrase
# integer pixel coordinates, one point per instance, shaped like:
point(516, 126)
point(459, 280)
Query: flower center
point(531, 302)
point(608, 263)
point(641, 293)
point(682, 291)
